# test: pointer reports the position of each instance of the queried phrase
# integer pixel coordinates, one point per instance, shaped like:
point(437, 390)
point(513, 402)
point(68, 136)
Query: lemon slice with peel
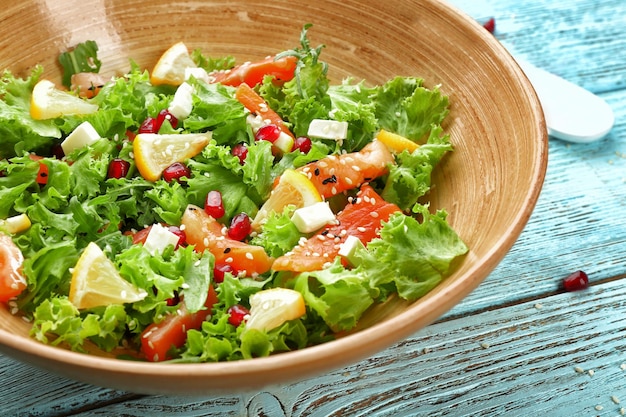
point(155, 152)
point(396, 143)
point(293, 188)
point(48, 102)
point(96, 282)
point(171, 66)
point(271, 308)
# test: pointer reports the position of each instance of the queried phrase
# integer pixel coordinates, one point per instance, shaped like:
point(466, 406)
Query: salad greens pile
point(79, 204)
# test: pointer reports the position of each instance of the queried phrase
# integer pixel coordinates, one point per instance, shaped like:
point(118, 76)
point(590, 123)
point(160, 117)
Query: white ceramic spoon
point(572, 113)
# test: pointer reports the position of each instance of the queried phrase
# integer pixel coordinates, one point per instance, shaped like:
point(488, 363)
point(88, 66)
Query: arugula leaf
point(82, 58)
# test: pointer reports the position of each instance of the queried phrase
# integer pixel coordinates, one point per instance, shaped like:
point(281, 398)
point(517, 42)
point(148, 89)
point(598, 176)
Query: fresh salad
point(212, 211)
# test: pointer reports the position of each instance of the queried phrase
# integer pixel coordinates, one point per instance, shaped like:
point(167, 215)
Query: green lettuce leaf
point(18, 130)
point(338, 295)
point(413, 257)
point(405, 107)
point(410, 178)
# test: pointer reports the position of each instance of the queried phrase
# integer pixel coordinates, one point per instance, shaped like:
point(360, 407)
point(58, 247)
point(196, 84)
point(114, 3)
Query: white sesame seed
point(184, 286)
point(579, 369)
point(150, 343)
point(123, 294)
point(356, 168)
point(599, 408)
point(321, 237)
point(334, 190)
point(374, 214)
point(322, 164)
point(182, 227)
point(361, 229)
point(622, 411)
point(623, 367)
point(615, 399)
point(228, 260)
point(348, 181)
point(197, 263)
point(591, 372)
point(538, 306)
point(249, 256)
point(206, 241)
point(155, 358)
point(485, 345)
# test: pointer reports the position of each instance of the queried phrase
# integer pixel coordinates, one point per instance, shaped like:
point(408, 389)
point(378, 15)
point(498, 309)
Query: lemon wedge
point(96, 282)
point(48, 102)
point(396, 143)
point(154, 152)
point(171, 66)
point(271, 308)
point(293, 188)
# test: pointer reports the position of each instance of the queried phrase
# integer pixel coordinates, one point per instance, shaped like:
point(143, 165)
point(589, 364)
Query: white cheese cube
point(349, 247)
point(198, 74)
point(84, 135)
point(311, 218)
point(159, 238)
point(182, 103)
point(328, 129)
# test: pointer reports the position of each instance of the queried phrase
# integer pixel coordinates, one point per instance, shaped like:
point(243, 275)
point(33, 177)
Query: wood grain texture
point(513, 346)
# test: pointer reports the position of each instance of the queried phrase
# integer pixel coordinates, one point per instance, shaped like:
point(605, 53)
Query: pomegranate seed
point(239, 227)
point(490, 25)
point(220, 269)
point(303, 144)
point(176, 171)
point(174, 300)
point(213, 205)
point(166, 115)
point(118, 168)
point(238, 314)
point(269, 133)
point(240, 151)
point(57, 151)
point(149, 126)
point(182, 237)
point(576, 281)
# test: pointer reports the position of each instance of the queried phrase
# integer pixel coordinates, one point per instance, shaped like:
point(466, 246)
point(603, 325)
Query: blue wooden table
point(518, 345)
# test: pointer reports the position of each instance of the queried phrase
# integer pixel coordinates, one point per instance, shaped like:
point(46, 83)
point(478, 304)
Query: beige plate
point(489, 185)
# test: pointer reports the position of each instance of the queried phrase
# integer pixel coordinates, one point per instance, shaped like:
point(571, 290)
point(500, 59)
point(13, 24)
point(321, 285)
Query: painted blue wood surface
point(518, 345)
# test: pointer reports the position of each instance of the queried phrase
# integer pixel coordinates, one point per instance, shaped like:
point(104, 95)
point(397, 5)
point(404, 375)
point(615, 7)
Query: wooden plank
point(518, 360)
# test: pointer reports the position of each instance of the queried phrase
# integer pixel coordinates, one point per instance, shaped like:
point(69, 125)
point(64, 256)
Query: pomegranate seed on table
point(176, 171)
point(182, 237)
point(238, 314)
point(240, 151)
point(166, 115)
point(214, 205)
point(239, 227)
point(490, 25)
point(269, 133)
point(118, 168)
point(220, 269)
point(576, 281)
point(303, 144)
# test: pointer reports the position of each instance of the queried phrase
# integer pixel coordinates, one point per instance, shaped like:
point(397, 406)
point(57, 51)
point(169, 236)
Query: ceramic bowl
point(489, 185)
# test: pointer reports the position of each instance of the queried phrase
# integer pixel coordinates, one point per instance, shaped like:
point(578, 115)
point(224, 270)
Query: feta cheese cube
point(349, 247)
point(159, 238)
point(84, 135)
point(328, 129)
point(198, 74)
point(311, 218)
point(182, 103)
